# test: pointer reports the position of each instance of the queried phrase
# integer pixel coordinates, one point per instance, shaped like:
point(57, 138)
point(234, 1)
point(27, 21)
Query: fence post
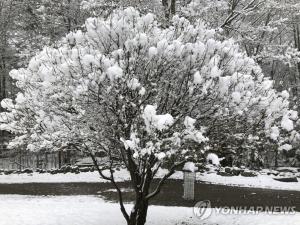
point(189, 171)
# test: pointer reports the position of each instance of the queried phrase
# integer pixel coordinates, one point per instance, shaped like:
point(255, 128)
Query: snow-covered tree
point(145, 95)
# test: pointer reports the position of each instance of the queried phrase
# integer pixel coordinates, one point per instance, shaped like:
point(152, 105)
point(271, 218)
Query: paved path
point(171, 194)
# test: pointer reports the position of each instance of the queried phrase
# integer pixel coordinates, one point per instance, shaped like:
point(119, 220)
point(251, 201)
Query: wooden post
point(189, 177)
point(189, 185)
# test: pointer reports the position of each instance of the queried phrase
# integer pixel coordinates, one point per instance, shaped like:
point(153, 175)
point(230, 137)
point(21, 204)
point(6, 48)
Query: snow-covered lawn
point(91, 210)
point(261, 181)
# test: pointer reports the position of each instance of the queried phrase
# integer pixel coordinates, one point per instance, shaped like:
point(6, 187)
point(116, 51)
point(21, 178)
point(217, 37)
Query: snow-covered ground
point(91, 210)
point(60, 177)
point(261, 181)
point(89, 177)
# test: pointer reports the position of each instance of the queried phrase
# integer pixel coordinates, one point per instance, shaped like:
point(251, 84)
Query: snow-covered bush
point(145, 95)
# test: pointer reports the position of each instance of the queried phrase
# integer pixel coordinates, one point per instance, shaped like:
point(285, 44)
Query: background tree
point(266, 30)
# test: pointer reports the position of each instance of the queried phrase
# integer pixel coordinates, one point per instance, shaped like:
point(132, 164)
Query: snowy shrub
point(143, 94)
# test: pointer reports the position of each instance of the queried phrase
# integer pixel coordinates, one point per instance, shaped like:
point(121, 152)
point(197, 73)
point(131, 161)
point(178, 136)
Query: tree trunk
point(59, 159)
point(276, 158)
point(297, 46)
point(166, 8)
point(173, 7)
point(169, 8)
point(139, 213)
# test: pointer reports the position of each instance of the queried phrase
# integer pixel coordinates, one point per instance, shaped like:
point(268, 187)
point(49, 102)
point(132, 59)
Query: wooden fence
point(33, 161)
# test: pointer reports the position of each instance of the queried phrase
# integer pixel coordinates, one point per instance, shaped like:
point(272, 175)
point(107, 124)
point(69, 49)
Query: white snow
point(60, 178)
point(286, 123)
point(114, 72)
point(164, 121)
point(190, 166)
point(114, 190)
point(142, 39)
point(293, 114)
point(142, 91)
point(161, 155)
point(133, 84)
point(20, 98)
point(89, 59)
point(88, 177)
point(215, 72)
point(189, 122)
point(274, 133)
point(7, 103)
point(236, 96)
point(224, 83)
point(152, 120)
point(152, 52)
point(286, 168)
point(133, 143)
point(267, 84)
point(92, 210)
point(213, 159)
point(261, 181)
point(285, 94)
point(198, 78)
point(286, 147)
